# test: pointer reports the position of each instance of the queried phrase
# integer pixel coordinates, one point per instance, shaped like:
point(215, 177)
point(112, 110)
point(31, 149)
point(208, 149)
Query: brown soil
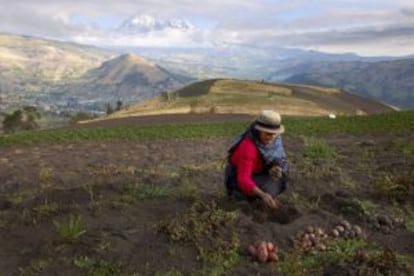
point(123, 235)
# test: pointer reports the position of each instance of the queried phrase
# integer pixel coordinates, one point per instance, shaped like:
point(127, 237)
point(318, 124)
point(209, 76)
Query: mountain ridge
point(390, 81)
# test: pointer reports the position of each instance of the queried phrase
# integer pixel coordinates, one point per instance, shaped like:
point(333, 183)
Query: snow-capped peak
point(145, 23)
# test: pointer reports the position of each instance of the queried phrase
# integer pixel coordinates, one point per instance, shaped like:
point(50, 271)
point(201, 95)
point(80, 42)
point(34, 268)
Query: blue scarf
point(272, 153)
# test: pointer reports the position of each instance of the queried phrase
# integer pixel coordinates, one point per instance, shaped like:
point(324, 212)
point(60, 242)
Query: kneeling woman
point(257, 165)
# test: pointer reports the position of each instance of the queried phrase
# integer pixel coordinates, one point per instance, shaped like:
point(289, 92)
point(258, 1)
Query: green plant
point(72, 230)
point(210, 230)
point(346, 180)
point(136, 192)
point(318, 149)
point(409, 220)
point(367, 207)
point(299, 263)
point(47, 208)
point(36, 267)
point(19, 196)
point(387, 187)
point(45, 176)
point(97, 267)
point(221, 258)
point(21, 119)
point(378, 123)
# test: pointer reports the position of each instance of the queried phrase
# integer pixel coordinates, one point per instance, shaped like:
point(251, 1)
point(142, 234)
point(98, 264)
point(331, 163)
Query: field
point(145, 197)
point(222, 96)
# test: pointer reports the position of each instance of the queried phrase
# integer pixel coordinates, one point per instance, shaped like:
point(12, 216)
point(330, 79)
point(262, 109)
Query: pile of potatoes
point(313, 237)
point(346, 230)
point(263, 251)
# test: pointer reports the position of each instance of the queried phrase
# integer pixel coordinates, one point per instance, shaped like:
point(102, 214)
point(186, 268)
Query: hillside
point(29, 64)
point(238, 96)
point(389, 81)
point(66, 77)
point(128, 77)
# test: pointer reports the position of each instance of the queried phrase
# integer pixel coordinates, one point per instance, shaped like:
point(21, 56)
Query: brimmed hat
point(269, 121)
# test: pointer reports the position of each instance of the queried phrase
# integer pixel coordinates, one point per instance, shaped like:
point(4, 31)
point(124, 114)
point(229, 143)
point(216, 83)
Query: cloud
point(319, 24)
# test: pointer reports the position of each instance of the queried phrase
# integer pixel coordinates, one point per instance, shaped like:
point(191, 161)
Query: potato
point(273, 257)
point(270, 247)
point(340, 228)
point(358, 230)
point(252, 250)
point(346, 224)
point(319, 231)
point(310, 229)
point(335, 233)
point(321, 247)
point(262, 254)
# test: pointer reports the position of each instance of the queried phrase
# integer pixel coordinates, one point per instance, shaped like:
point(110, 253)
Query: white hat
point(269, 121)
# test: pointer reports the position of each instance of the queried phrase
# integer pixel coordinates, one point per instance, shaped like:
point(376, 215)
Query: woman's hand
point(270, 202)
point(276, 171)
point(267, 198)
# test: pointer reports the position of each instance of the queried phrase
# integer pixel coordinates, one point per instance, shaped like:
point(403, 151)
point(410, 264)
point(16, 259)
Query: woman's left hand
point(276, 171)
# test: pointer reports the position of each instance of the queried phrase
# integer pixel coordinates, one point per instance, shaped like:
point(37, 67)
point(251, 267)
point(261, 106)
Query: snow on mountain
point(146, 23)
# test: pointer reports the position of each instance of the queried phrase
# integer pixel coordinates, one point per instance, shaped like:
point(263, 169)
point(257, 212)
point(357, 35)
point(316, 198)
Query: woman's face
point(266, 137)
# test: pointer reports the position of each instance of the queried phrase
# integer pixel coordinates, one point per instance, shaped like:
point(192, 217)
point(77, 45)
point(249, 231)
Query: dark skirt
point(262, 180)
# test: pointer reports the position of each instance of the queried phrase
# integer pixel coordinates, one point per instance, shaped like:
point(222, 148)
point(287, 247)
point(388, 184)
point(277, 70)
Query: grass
point(71, 230)
point(134, 193)
point(297, 263)
point(211, 230)
point(387, 187)
point(409, 220)
point(46, 175)
point(318, 149)
point(379, 123)
point(366, 206)
point(95, 267)
point(47, 208)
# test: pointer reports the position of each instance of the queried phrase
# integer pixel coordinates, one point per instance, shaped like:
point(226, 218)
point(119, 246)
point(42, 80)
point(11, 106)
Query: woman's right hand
point(269, 201)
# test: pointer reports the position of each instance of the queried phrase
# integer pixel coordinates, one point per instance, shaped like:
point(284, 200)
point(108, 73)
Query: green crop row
point(380, 123)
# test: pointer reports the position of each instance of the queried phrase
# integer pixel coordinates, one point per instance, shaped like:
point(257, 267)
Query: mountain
point(62, 76)
point(241, 96)
point(146, 23)
point(129, 78)
point(237, 61)
point(390, 81)
point(29, 64)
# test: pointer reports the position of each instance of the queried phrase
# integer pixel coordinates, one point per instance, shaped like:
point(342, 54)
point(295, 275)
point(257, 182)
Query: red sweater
point(247, 160)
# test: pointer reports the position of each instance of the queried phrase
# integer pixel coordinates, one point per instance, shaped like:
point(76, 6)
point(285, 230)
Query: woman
point(257, 165)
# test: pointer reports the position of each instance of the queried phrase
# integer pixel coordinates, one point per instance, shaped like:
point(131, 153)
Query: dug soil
point(155, 207)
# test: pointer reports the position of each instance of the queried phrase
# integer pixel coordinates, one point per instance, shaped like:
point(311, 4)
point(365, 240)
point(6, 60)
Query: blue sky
point(370, 27)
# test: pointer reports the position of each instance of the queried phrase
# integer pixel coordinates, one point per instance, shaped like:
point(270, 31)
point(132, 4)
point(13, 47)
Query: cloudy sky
point(365, 27)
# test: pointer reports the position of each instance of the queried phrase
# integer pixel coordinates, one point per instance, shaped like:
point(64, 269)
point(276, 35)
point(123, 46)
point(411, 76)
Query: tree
point(118, 105)
point(21, 119)
point(109, 109)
